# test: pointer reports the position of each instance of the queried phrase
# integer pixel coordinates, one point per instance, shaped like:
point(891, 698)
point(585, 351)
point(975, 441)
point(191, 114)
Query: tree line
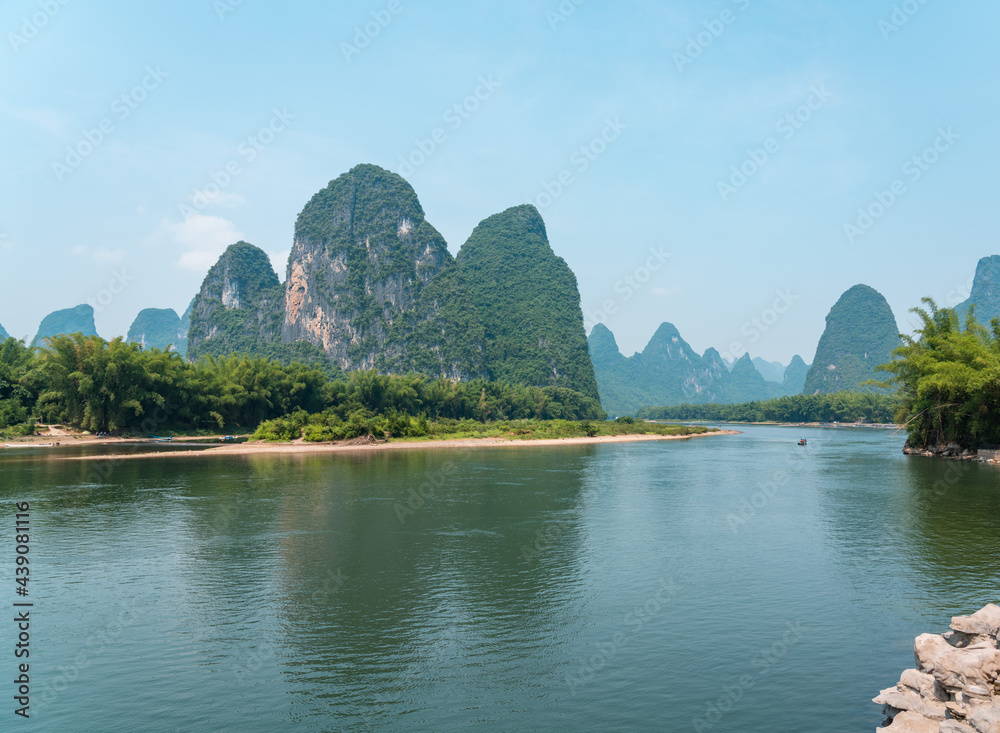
point(848, 407)
point(119, 387)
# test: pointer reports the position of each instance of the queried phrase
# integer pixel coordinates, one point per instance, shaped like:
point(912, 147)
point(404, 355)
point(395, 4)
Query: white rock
point(911, 723)
point(985, 622)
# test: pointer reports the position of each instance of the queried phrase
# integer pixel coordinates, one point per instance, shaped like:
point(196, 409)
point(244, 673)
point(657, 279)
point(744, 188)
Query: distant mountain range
point(860, 334)
point(669, 372)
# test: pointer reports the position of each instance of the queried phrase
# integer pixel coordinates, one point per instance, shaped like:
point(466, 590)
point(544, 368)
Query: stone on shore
point(956, 686)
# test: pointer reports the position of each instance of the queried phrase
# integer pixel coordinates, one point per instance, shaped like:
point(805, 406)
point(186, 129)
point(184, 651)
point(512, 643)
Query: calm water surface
point(722, 584)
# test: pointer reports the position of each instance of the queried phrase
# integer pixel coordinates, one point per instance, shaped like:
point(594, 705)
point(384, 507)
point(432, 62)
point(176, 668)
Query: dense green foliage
point(156, 328)
point(949, 379)
point(670, 372)
point(116, 386)
point(70, 320)
point(16, 396)
point(527, 300)
point(860, 334)
point(846, 407)
point(441, 332)
point(330, 426)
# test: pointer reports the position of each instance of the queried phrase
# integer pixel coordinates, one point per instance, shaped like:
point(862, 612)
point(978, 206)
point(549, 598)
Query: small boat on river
point(802, 441)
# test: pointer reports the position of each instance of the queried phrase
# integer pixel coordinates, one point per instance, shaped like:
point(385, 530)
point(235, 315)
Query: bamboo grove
point(119, 387)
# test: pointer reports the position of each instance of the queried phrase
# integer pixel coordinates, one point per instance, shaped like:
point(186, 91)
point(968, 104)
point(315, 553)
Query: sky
point(729, 166)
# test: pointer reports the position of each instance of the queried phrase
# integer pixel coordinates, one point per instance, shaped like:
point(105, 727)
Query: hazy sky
point(628, 124)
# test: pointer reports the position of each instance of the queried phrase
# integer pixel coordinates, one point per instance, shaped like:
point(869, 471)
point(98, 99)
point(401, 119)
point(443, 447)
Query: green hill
point(985, 293)
point(861, 333)
point(67, 321)
point(527, 299)
point(155, 328)
point(239, 307)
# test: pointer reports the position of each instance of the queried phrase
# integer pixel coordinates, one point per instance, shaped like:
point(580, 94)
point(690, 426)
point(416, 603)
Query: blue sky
point(627, 124)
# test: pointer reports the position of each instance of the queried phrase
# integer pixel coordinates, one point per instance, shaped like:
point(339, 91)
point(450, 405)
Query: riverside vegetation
point(948, 378)
point(845, 407)
point(118, 387)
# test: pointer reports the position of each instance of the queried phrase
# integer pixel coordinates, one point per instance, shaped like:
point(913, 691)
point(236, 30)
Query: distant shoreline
point(303, 448)
point(867, 426)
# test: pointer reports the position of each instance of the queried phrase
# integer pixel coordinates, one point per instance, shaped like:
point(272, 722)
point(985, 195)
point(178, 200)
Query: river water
point(736, 583)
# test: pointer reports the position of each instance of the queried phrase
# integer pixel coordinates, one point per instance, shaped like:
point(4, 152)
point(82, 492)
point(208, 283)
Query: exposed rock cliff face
point(3, 334)
point(155, 328)
point(956, 685)
point(861, 333)
point(361, 262)
point(985, 293)
point(70, 320)
point(527, 299)
point(371, 285)
point(239, 306)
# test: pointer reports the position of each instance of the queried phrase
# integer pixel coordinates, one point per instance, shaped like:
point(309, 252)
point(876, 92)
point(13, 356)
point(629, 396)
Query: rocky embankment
point(951, 450)
point(956, 685)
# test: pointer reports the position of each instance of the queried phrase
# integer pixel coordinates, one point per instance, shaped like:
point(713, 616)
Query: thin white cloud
point(664, 292)
point(201, 239)
point(279, 261)
point(103, 254)
point(222, 198)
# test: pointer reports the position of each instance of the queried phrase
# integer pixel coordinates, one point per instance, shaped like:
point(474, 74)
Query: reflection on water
point(575, 588)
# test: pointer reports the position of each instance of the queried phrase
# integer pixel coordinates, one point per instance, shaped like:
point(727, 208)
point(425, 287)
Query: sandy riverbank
point(303, 448)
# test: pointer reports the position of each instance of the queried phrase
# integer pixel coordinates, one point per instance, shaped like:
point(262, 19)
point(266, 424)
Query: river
point(737, 583)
